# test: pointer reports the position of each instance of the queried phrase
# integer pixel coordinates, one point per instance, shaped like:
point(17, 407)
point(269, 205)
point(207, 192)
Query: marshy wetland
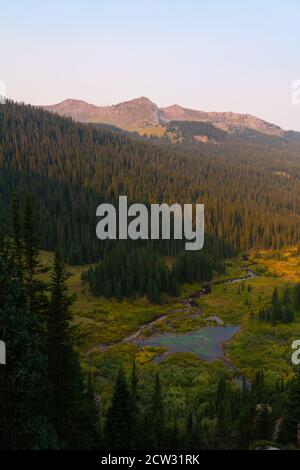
point(184, 339)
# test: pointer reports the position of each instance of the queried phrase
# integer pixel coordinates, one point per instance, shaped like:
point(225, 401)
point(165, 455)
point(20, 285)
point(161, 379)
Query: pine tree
point(17, 234)
point(221, 402)
point(68, 410)
point(134, 383)
point(156, 416)
point(35, 287)
point(118, 428)
point(91, 429)
point(136, 438)
point(175, 441)
point(192, 439)
point(24, 386)
point(297, 295)
point(30, 245)
point(292, 413)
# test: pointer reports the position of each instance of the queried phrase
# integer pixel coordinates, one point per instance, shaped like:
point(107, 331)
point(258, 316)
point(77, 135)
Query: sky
point(214, 55)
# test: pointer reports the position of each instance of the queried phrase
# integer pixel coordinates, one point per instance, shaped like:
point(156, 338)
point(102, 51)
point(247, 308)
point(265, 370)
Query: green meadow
point(102, 327)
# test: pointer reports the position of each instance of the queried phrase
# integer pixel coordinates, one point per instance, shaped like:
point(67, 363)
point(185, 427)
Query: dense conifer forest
point(250, 192)
point(141, 272)
point(252, 200)
point(47, 402)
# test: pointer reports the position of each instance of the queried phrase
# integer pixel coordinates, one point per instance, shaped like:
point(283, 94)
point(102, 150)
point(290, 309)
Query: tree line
point(248, 416)
point(283, 305)
point(141, 271)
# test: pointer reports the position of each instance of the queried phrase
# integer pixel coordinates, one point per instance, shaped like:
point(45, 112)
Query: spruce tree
point(156, 416)
point(24, 386)
point(292, 413)
point(192, 437)
point(68, 410)
point(91, 429)
point(35, 288)
point(136, 438)
point(16, 228)
point(118, 428)
point(221, 403)
point(297, 295)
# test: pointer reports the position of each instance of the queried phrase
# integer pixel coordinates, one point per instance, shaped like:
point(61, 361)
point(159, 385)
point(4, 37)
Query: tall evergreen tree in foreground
point(68, 407)
point(24, 385)
point(118, 429)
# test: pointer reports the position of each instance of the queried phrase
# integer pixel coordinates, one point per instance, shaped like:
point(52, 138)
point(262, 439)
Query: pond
point(207, 342)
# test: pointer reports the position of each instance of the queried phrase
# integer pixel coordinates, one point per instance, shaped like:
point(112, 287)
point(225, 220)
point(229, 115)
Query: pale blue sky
point(212, 55)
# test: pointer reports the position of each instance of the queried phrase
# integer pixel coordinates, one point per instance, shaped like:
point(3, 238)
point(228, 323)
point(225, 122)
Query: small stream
point(207, 342)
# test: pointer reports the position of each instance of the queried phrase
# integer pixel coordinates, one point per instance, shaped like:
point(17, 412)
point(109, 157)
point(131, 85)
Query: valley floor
point(110, 333)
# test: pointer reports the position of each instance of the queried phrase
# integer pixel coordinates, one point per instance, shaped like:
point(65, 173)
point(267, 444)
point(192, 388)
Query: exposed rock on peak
point(141, 113)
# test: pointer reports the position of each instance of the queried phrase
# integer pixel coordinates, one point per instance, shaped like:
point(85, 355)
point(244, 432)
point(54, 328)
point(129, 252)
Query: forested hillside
point(48, 403)
point(251, 193)
point(127, 397)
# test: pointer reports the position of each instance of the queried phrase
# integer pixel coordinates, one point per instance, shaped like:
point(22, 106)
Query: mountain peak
point(141, 100)
point(140, 113)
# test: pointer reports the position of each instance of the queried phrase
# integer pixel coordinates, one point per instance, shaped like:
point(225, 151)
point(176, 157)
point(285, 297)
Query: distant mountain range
point(141, 114)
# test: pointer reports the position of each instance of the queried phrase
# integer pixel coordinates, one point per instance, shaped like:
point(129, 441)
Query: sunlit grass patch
point(284, 263)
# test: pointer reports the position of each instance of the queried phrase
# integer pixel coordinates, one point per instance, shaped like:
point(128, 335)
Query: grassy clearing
point(101, 321)
point(153, 131)
point(283, 263)
point(258, 345)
